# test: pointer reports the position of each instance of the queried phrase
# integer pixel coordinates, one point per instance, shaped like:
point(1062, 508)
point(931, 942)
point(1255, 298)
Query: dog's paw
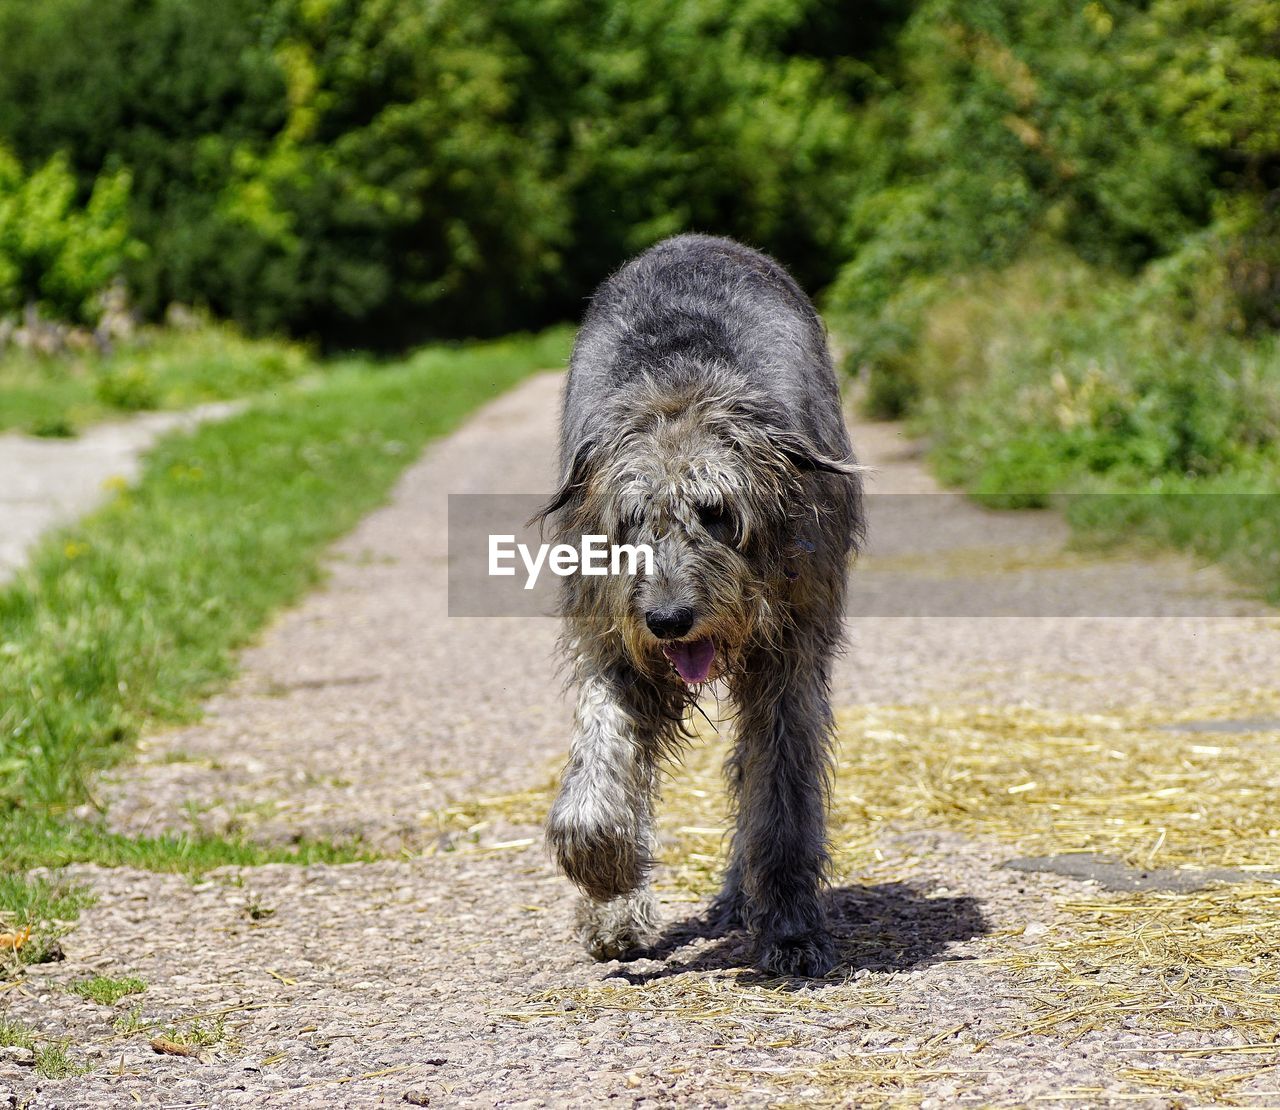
point(611, 930)
point(807, 955)
point(604, 863)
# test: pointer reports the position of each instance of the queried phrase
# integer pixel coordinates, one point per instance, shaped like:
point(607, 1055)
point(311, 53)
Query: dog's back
point(696, 302)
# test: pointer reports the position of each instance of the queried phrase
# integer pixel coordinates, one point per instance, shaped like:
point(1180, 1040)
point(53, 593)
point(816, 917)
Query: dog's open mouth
point(692, 659)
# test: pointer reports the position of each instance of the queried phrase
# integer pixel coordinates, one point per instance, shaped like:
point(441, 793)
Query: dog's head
point(724, 499)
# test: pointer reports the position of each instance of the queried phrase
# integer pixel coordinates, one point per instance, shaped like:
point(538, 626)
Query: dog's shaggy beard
point(727, 584)
point(608, 622)
point(731, 613)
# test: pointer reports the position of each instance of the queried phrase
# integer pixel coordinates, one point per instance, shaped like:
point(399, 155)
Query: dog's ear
point(802, 454)
point(575, 481)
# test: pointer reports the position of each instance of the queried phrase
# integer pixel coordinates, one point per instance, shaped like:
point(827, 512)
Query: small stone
point(16, 1054)
point(1035, 929)
point(417, 1098)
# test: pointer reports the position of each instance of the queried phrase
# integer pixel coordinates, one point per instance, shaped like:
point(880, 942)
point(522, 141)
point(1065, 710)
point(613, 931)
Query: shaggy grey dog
point(701, 416)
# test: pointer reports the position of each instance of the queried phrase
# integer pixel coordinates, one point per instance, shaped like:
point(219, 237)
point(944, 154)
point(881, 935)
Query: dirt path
point(446, 973)
point(47, 482)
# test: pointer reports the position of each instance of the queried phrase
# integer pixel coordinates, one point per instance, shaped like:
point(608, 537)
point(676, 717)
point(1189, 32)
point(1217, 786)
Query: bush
point(376, 171)
point(379, 171)
point(1053, 376)
point(55, 253)
point(1097, 127)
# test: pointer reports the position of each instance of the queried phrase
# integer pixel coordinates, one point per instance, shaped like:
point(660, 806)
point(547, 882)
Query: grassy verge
point(57, 395)
point(133, 616)
point(1054, 378)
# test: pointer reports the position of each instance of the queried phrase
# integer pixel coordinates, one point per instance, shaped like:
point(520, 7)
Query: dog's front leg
point(781, 766)
point(600, 825)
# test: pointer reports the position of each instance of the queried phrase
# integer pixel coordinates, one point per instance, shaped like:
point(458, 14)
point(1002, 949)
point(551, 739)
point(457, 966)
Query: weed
point(14, 1034)
point(107, 991)
point(195, 1034)
point(127, 1025)
point(54, 1061)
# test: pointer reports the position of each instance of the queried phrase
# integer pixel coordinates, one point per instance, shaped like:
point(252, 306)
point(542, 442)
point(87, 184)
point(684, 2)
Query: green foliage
point(672, 115)
point(166, 91)
point(1096, 126)
point(1052, 360)
point(1067, 272)
point(1231, 106)
point(107, 991)
point(374, 171)
point(1054, 377)
point(54, 252)
point(156, 369)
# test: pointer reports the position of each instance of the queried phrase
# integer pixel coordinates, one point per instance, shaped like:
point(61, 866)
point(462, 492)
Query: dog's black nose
point(670, 623)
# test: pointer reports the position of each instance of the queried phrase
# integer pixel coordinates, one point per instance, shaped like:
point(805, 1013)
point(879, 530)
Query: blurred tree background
point(375, 172)
point(1050, 231)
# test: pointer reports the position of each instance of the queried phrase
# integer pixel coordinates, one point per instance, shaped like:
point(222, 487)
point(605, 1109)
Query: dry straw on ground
point(1196, 967)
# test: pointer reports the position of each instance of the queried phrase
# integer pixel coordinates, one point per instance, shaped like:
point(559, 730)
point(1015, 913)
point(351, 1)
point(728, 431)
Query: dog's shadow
point(883, 928)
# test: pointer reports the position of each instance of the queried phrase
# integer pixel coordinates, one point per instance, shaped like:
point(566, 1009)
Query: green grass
point(14, 1034)
point(52, 1060)
point(127, 1025)
point(47, 841)
point(196, 1034)
point(135, 615)
point(131, 618)
point(106, 991)
point(57, 395)
point(1141, 400)
point(46, 906)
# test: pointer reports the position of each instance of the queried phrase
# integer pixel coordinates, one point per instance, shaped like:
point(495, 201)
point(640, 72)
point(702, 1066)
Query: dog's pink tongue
point(692, 660)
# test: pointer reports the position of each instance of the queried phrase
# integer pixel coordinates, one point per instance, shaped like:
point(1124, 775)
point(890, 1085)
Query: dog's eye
point(719, 523)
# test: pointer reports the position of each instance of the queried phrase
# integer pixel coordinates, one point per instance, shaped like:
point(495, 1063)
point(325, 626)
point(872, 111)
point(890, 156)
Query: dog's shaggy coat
point(701, 416)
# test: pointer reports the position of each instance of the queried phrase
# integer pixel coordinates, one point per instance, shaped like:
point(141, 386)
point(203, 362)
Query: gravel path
point(47, 482)
point(445, 974)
